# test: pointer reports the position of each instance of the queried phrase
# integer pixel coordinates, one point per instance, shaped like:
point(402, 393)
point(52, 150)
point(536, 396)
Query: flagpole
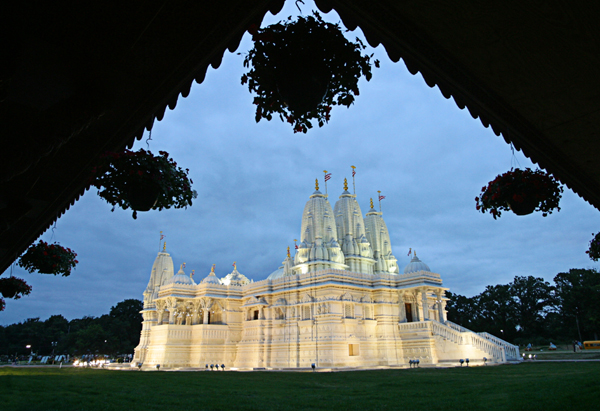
point(159, 240)
point(353, 182)
point(379, 197)
point(325, 171)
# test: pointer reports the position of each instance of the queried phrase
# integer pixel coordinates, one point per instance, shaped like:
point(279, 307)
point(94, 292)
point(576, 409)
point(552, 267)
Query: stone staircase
point(463, 342)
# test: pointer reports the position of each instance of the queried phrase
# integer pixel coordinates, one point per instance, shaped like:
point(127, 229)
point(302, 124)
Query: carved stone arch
point(307, 298)
point(217, 304)
point(346, 297)
point(281, 301)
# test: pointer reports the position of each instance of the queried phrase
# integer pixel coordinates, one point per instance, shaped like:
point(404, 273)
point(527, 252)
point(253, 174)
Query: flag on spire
point(409, 251)
point(353, 171)
point(327, 176)
point(381, 197)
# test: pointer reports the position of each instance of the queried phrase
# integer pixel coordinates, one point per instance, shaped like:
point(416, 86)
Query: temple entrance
point(408, 309)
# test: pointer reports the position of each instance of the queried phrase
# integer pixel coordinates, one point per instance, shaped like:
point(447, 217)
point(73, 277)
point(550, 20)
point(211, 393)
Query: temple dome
point(181, 278)
point(211, 279)
point(416, 265)
point(276, 274)
point(379, 237)
point(234, 278)
point(319, 248)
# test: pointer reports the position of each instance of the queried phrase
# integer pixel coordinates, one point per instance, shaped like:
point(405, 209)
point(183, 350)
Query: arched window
point(348, 311)
point(217, 315)
point(306, 312)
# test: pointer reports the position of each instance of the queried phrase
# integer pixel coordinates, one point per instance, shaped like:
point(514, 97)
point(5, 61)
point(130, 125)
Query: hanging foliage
point(521, 191)
point(300, 69)
point(13, 287)
point(142, 181)
point(48, 259)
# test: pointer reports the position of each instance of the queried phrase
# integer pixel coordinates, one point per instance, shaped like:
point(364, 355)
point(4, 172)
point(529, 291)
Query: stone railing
point(456, 327)
point(416, 326)
point(493, 346)
point(447, 332)
point(494, 350)
point(512, 351)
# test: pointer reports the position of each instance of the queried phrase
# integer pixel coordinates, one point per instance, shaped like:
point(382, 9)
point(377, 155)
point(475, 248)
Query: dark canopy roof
point(81, 78)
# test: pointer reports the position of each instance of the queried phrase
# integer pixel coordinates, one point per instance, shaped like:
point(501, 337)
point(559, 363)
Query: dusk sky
point(429, 158)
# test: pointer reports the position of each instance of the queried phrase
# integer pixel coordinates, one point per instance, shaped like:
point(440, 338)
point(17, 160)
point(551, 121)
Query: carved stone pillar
point(195, 312)
point(171, 303)
point(441, 305)
point(402, 308)
point(205, 318)
point(425, 304)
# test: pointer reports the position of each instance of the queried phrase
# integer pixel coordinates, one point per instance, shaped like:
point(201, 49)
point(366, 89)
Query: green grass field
point(529, 386)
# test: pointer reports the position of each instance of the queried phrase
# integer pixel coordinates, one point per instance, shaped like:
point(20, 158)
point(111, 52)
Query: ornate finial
point(289, 256)
point(212, 270)
point(415, 253)
point(371, 203)
point(234, 266)
point(183, 265)
point(165, 246)
point(345, 184)
point(316, 184)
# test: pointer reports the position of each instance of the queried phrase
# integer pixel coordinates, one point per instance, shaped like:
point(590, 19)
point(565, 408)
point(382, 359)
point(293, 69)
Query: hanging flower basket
point(594, 250)
point(13, 287)
point(48, 259)
point(300, 69)
point(142, 181)
point(522, 192)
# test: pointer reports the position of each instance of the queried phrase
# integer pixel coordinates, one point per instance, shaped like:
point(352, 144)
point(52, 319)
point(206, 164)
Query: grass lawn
point(529, 386)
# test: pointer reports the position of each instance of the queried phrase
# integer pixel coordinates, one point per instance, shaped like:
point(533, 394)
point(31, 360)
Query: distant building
point(339, 302)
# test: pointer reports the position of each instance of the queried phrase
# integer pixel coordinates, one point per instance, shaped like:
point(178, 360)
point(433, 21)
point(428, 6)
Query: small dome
point(416, 265)
point(276, 274)
point(211, 279)
point(235, 278)
point(181, 278)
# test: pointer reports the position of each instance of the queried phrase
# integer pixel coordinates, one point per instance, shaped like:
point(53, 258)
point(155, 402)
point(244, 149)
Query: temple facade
point(339, 301)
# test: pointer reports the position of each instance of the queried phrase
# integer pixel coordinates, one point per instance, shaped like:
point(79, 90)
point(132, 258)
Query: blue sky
point(428, 157)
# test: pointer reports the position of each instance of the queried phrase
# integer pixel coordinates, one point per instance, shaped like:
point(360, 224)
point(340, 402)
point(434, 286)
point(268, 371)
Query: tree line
point(115, 333)
point(531, 310)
